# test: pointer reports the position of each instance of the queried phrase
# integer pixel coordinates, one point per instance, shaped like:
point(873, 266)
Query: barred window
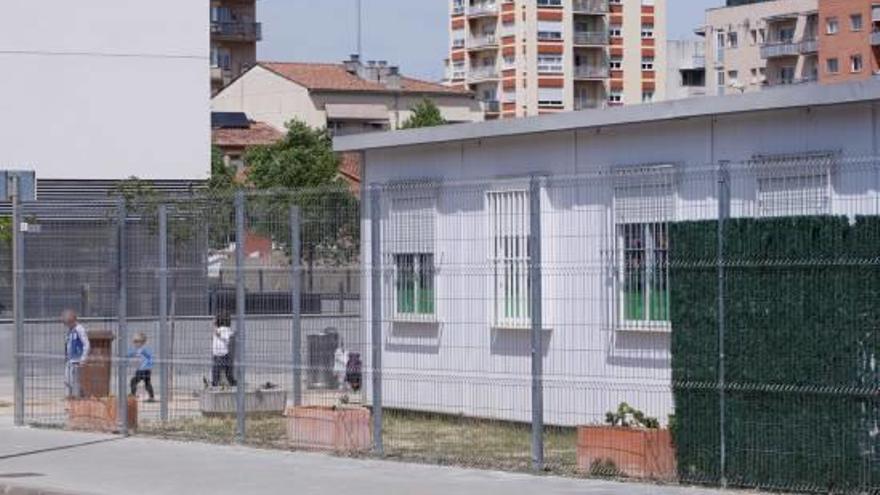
point(643, 206)
point(509, 231)
point(411, 242)
point(793, 185)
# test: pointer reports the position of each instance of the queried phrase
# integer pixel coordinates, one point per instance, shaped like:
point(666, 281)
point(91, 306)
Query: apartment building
point(531, 57)
point(685, 69)
point(849, 40)
point(752, 45)
point(234, 36)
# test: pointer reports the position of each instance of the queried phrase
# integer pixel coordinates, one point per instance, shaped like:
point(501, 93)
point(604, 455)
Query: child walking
point(145, 365)
point(222, 350)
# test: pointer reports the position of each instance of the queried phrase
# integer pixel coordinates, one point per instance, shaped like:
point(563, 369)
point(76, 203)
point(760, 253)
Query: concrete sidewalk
point(54, 462)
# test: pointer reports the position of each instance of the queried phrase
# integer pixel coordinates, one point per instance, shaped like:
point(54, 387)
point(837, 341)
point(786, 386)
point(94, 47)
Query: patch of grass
point(408, 436)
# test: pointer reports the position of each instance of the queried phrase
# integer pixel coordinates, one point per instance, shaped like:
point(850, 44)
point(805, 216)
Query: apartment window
point(733, 39)
point(855, 63)
point(648, 2)
point(412, 245)
point(855, 22)
point(643, 206)
point(549, 30)
point(647, 96)
point(615, 97)
point(509, 96)
point(550, 97)
point(733, 76)
point(832, 65)
point(550, 63)
point(753, 37)
point(615, 63)
point(762, 35)
point(615, 31)
point(221, 57)
point(719, 82)
point(794, 185)
point(458, 37)
point(549, 3)
point(647, 63)
point(509, 61)
point(509, 229)
point(647, 31)
point(831, 25)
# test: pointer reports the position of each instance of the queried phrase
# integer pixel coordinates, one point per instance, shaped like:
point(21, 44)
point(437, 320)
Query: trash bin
point(321, 348)
point(94, 378)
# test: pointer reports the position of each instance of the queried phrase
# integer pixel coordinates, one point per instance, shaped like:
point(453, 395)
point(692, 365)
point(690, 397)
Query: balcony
point(588, 104)
point(458, 10)
point(590, 7)
point(784, 48)
point(491, 107)
point(875, 38)
point(588, 72)
point(482, 74)
point(809, 45)
point(483, 10)
point(220, 76)
point(488, 42)
point(590, 38)
point(236, 31)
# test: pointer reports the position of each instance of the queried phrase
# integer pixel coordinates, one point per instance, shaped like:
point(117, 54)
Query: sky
point(408, 33)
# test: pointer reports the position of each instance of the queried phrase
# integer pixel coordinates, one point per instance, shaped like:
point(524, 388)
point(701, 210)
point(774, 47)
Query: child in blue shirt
point(145, 365)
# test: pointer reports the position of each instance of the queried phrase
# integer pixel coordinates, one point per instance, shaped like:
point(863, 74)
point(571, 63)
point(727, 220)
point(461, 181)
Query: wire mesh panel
point(709, 323)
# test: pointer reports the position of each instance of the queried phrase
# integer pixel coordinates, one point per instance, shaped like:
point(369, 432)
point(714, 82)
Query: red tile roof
point(258, 133)
point(334, 77)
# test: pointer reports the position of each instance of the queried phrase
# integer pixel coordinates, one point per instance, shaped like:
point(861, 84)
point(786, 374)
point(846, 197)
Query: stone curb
point(10, 489)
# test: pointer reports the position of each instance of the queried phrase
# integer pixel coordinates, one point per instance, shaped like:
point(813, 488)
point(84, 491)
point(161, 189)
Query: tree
point(222, 175)
point(304, 158)
point(424, 114)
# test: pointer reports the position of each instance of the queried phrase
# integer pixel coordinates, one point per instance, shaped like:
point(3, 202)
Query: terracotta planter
point(343, 429)
point(634, 452)
point(99, 414)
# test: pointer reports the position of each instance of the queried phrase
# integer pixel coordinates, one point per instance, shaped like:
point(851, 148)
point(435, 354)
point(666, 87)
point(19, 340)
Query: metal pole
point(122, 311)
point(295, 301)
point(376, 313)
point(18, 300)
point(723, 212)
point(537, 324)
point(360, 31)
point(164, 379)
point(240, 332)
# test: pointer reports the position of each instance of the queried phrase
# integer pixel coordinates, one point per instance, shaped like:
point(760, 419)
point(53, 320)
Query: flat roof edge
point(765, 100)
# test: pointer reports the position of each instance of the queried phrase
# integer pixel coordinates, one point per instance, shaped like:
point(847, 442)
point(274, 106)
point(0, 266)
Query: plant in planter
point(630, 441)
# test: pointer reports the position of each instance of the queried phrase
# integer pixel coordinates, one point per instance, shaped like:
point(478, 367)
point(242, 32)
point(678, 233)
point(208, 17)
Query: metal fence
point(711, 323)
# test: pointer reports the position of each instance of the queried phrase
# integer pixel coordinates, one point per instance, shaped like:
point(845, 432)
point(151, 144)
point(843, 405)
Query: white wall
point(105, 89)
point(460, 364)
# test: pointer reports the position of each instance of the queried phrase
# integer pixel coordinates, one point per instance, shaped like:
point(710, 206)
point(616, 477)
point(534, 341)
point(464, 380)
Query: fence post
point(18, 300)
point(164, 379)
point(723, 213)
point(295, 302)
point(537, 324)
point(122, 313)
point(376, 312)
point(240, 332)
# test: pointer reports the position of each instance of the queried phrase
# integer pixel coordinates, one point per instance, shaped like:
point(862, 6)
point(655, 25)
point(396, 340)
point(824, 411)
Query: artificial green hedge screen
point(802, 318)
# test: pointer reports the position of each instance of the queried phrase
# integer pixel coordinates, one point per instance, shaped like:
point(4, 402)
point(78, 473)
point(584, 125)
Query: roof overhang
point(812, 95)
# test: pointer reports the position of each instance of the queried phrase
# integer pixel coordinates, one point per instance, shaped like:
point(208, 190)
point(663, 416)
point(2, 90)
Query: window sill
point(516, 328)
point(645, 328)
point(410, 320)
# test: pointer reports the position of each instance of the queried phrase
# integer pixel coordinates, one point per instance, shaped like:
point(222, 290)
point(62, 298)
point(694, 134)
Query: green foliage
point(627, 416)
point(802, 334)
point(304, 158)
point(424, 114)
point(6, 231)
point(222, 176)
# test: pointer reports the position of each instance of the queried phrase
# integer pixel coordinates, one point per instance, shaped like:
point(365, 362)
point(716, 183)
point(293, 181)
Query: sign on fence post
point(240, 333)
point(295, 300)
point(164, 379)
point(122, 311)
point(17, 296)
point(537, 324)
point(375, 192)
point(723, 212)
